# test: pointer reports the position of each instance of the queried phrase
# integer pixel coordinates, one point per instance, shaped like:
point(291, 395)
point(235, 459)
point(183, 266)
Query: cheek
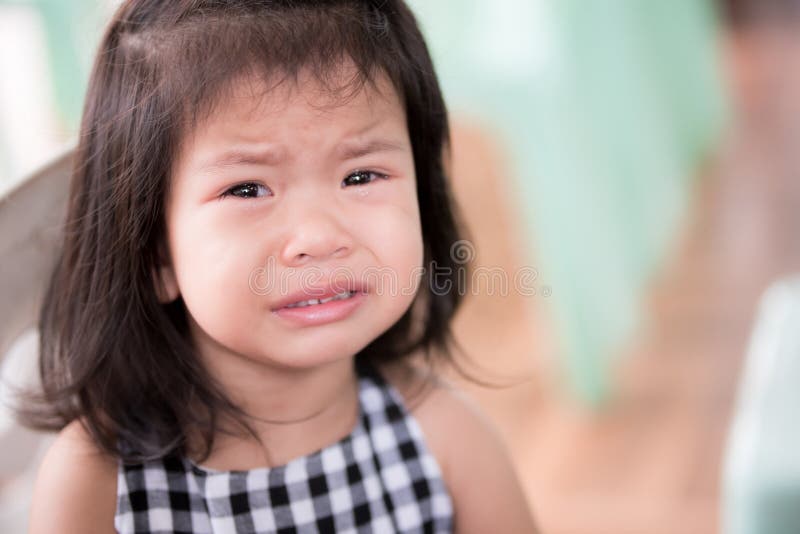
point(213, 265)
point(395, 237)
point(407, 232)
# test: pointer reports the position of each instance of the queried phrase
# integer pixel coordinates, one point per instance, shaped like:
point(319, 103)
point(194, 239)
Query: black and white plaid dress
point(381, 478)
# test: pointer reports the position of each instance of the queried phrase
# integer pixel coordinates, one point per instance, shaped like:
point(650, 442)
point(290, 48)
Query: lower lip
point(317, 314)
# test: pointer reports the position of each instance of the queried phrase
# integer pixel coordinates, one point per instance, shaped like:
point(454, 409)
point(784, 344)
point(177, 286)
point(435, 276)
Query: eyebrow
point(355, 150)
point(273, 156)
point(269, 156)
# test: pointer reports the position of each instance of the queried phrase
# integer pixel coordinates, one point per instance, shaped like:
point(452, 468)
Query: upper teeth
point(303, 303)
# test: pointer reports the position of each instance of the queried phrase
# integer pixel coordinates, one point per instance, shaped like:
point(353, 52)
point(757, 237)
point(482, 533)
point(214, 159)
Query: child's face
point(292, 191)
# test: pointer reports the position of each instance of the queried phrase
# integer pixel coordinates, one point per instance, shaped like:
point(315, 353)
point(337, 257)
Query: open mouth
point(314, 302)
point(314, 312)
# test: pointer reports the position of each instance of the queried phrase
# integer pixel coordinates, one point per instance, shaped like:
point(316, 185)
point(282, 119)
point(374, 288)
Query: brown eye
point(247, 190)
point(362, 178)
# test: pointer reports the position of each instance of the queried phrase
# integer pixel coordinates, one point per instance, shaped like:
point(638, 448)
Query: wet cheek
point(394, 236)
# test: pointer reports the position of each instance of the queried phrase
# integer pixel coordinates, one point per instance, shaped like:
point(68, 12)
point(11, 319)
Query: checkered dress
point(381, 478)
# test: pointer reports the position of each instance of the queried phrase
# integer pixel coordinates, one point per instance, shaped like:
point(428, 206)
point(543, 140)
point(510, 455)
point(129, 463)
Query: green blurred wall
point(72, 29)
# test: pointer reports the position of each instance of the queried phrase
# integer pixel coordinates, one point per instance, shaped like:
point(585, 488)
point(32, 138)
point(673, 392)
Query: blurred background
point(636, 163)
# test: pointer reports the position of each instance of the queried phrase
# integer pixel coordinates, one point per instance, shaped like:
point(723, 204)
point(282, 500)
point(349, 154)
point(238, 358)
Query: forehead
point(342, 93)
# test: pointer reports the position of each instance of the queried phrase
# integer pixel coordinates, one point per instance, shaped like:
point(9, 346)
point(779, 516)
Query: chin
point(304, 361)
point(317, 353)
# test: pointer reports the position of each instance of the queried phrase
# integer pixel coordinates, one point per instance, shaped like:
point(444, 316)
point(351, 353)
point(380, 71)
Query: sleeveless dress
point(381, 478)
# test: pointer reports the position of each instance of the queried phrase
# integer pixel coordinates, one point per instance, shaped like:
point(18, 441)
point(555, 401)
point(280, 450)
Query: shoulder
point(475, 463)
point(76, 486)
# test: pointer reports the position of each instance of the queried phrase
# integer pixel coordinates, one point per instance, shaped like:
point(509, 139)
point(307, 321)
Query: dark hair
point(112, 355)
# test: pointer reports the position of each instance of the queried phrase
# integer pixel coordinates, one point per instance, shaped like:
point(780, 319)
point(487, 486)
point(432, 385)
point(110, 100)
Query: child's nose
point(316, 233)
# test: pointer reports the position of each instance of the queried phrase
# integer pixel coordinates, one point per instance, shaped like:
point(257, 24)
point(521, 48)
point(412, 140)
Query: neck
point(293, 396)
point(292, 411)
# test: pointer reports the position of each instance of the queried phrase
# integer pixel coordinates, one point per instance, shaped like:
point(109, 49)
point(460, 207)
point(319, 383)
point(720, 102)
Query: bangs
point(342, 46)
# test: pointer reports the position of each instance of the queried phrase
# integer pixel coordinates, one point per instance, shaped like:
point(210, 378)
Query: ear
point(164, 279)
point(166, 284)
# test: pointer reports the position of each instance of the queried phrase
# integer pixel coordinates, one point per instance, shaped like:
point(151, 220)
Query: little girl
point(256, 250)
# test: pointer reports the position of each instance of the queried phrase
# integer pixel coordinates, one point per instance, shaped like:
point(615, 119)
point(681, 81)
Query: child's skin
point(223, 222)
